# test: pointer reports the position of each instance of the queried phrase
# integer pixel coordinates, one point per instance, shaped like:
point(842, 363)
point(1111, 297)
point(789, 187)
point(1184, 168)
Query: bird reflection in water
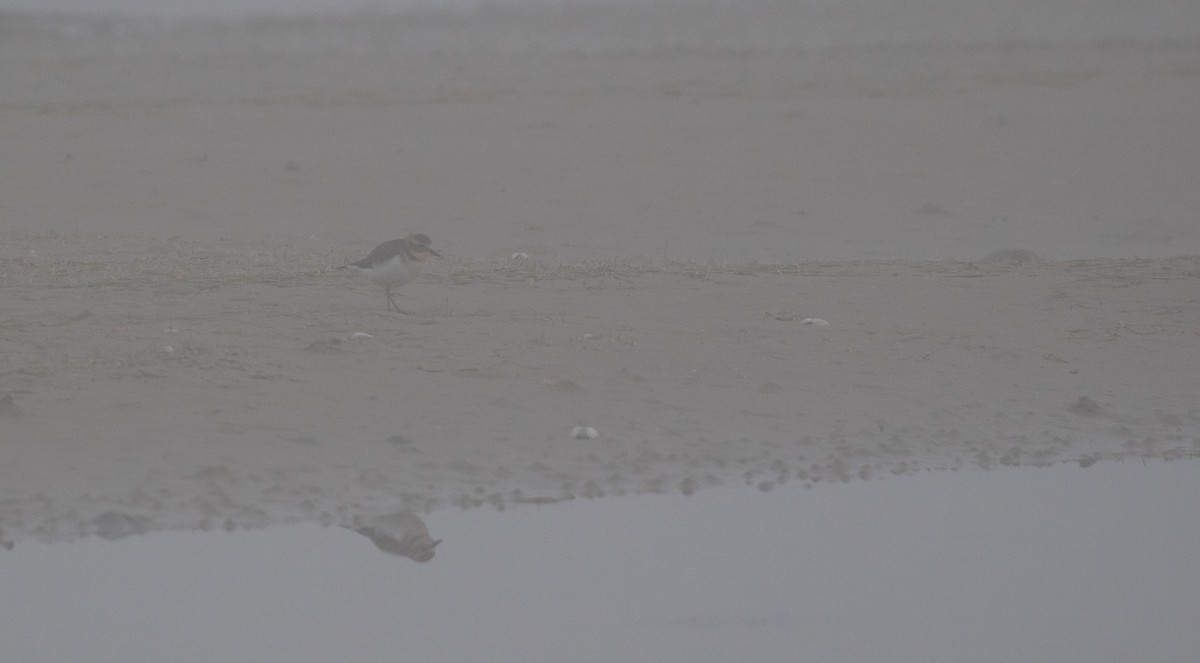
point(402, 533)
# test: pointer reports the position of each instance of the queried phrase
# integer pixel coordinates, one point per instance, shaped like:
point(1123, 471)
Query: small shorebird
point(395, 263)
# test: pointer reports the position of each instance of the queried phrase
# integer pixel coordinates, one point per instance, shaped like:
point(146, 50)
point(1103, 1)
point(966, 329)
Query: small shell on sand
point(788, 316)
point(584, 433)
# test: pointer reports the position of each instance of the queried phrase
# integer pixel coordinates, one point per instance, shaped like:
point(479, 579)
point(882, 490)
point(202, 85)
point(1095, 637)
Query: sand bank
point(177, 347)
point(193, 385)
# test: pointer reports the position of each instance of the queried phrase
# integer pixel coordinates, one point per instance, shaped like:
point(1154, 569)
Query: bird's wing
point(381, 253)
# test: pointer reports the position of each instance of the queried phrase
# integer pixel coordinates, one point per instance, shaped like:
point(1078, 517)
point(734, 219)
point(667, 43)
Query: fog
point(763, 330)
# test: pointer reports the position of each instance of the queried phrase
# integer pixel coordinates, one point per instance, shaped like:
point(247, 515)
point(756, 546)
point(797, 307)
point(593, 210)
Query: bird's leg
point(392, 306)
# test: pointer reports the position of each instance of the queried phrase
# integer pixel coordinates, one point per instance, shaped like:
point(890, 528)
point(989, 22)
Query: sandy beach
point(177, 345)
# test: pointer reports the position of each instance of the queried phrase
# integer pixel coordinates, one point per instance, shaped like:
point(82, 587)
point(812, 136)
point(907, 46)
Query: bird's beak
point(433, 252)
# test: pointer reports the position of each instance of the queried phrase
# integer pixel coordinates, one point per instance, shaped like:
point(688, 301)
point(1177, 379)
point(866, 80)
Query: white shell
point(519, 256)
point(584, 433)
point(815, 321)
point(361, 335)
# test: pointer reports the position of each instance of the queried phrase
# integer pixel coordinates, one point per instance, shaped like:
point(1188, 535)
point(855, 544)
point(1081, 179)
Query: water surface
point(1051, 564)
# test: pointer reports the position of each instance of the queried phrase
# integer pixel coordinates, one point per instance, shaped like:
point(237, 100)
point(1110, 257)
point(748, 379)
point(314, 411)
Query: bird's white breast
point(394, 271)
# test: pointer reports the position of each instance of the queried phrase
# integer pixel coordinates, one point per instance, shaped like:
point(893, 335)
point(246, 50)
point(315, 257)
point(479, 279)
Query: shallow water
point(1050, 564)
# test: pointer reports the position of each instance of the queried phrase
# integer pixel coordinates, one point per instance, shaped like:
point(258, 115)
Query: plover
point(395, 263)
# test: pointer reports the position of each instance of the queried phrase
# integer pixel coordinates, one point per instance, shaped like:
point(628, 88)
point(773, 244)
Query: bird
point(395, 263)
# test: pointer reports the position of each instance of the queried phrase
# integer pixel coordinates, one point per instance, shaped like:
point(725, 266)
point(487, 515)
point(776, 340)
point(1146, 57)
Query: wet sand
point(176, 345)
